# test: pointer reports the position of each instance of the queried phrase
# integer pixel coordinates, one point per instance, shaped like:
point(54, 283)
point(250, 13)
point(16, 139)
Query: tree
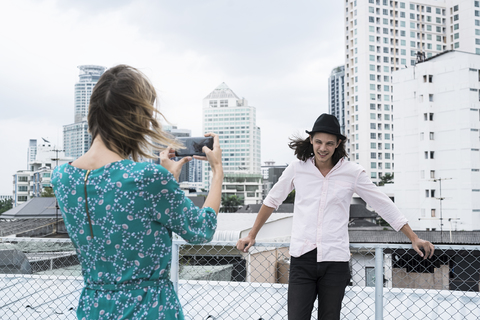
point(290, 198)
point(5, 205)
point(386, 178)
point(47, 193)
point(230, 203)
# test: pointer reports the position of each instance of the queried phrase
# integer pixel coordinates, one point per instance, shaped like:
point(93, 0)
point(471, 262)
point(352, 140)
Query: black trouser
point(309, 279)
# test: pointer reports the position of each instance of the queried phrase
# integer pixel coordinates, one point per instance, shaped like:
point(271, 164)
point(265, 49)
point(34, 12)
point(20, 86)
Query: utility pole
point(441, 199)
point(56, 202)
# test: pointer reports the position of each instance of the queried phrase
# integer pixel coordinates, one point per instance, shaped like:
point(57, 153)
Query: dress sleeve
point(379, 201)
point(281, 189)
point(178, 213)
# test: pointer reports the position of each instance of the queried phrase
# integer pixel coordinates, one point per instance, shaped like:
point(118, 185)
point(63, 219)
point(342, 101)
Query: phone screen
point(193, 146)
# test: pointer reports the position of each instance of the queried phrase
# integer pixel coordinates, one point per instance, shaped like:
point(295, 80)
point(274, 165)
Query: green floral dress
point(125, 246)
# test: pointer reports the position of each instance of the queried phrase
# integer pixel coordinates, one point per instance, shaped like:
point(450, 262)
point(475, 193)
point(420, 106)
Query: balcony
point(41, 278)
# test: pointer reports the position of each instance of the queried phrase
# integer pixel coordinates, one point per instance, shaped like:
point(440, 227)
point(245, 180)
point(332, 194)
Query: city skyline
point(383, 36)
point(281, 59)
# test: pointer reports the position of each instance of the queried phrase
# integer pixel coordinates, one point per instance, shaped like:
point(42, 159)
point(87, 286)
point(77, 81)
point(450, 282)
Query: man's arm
point(246, 242)
point(418, 243)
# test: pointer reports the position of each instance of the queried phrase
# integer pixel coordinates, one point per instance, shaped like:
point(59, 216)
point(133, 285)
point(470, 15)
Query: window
point(432, 154)
point(372, 126)
point(455, 17)
point(371, 19)
point(457, 45)
point(426, 154)
point(387, 156)
point(438, 11)
point(386, 88)
point(373, 175)
point(432, 174)
point(372, 107)
point(430, 97)
point(433, 213)
point(372, 67)
point(373, 135)
point(372, 77)
point(432, 193)
point(427, 193)
point(373, 155)
point(455, 26)
point(372, 116)
point(373, 145)
point(370, 276)
point(432, 136)
point(373, 165)
point(455, 8)
point(372, 86)
point(456, 35)
point(402, 5)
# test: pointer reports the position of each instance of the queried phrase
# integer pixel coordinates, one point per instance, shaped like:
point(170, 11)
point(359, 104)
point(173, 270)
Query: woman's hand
point(175, 167)
point(213, 156)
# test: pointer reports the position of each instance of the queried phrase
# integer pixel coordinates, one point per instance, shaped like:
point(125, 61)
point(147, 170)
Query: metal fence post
point(378, 283)
point(174, 270)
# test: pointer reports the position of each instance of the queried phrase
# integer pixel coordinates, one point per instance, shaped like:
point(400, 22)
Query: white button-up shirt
point(322, 206)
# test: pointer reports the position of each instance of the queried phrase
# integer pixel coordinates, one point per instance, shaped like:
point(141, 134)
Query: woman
point(120, 213)
point(324, 182)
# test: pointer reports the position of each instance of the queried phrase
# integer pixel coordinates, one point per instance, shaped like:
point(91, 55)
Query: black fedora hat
point(329, 124)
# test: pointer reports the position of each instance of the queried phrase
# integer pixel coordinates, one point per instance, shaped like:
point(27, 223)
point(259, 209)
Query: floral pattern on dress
point(134, 208)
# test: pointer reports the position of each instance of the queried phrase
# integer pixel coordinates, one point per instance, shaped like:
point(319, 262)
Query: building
point(270, 174)
point(30, 183)
point(437, 124)
point(76, 139)
point(336, 95)
point(382, 36)
point(235, 122)
point(32, 151)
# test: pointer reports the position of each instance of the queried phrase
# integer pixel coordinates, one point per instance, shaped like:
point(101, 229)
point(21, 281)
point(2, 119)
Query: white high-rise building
point(437, 154)
point(32, 151)
point(76, 139)
point(382, 36)
point(235, 122)
point(336, 95)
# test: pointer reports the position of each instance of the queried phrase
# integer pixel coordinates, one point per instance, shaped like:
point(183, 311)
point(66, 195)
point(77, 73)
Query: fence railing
point(41, 278)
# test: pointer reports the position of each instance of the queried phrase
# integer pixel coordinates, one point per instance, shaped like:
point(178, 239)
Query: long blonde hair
point(123, 114)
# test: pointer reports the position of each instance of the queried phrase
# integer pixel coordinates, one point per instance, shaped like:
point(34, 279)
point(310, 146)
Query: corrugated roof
point(33, 208)
point(383, 236)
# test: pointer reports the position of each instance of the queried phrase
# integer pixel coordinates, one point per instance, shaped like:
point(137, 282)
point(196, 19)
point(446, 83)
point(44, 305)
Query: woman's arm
point(214, 157)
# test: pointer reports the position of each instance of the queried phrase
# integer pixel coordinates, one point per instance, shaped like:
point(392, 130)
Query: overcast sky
point(276, 54)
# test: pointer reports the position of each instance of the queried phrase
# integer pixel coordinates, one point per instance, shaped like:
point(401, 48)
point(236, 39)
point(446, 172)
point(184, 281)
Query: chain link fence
point(41, 278)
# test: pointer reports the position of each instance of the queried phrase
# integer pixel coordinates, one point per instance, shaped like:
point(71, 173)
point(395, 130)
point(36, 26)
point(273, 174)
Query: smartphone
point(193, 146)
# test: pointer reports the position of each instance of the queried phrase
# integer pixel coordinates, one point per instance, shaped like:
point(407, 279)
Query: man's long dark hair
point(304, 149)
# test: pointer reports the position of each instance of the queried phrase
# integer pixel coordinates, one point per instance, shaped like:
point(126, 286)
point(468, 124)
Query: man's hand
point(245, 243)
point(175, 167)
point(427, 246)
